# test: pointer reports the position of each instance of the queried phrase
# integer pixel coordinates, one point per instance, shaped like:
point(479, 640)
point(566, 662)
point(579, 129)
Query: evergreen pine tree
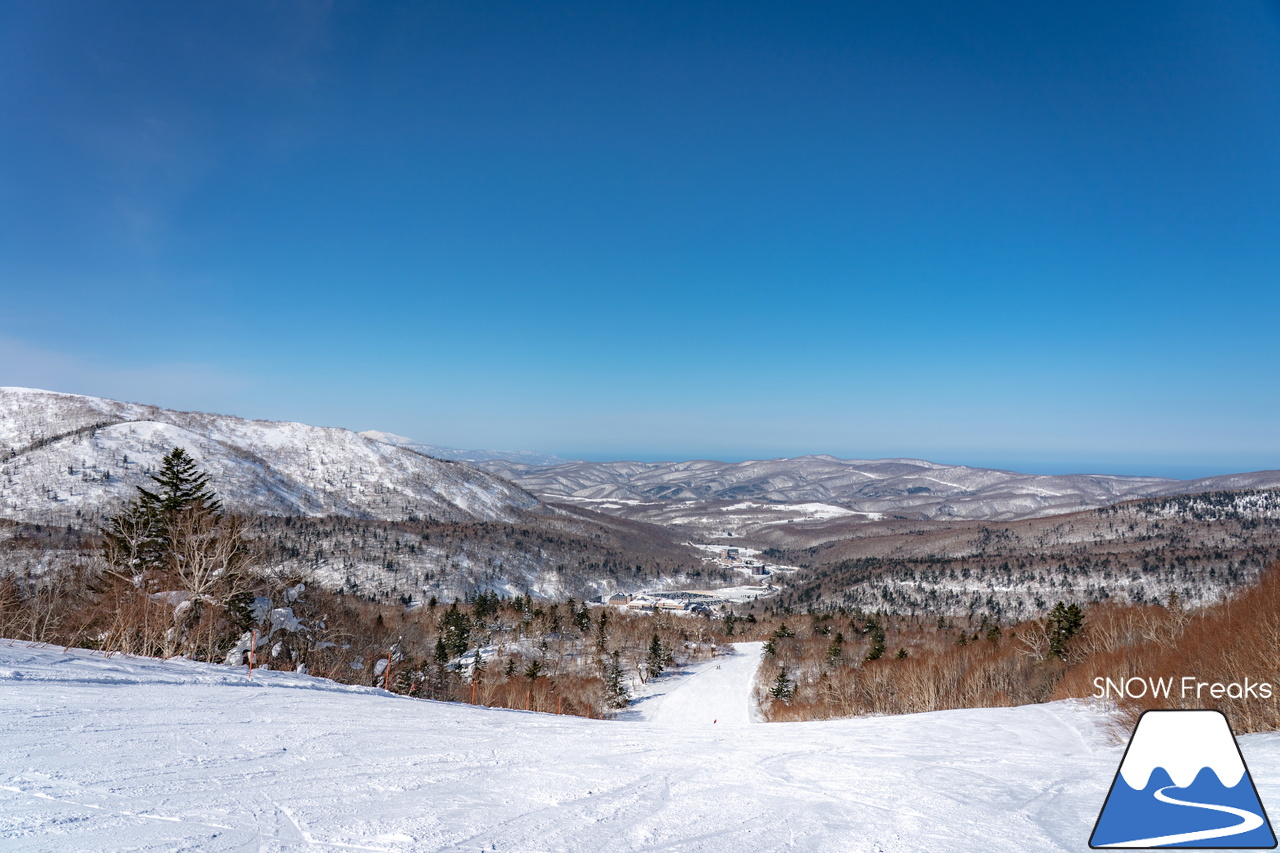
point(484, 606)
point(144, 536)
point(1065, 621)
point(655, 663)
point(876, 632)
point(782, 688)
point(835, 650)
point(441, 652)
point(602, 637)
point(440, 671)
point(615, 683)
point(407, 681)
point(457, 631)
point(175, 538)
point(182, 486)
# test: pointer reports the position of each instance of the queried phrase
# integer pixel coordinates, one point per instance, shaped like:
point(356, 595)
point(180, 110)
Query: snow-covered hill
point(67, 459)
point(126, 753)
point(910, 487)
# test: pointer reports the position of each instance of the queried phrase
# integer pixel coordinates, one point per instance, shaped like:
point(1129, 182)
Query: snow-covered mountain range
point(904, 487)
point(68, 459)
point(385, 519)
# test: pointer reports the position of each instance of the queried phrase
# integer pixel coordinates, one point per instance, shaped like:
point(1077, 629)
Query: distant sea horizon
point(1174, 470)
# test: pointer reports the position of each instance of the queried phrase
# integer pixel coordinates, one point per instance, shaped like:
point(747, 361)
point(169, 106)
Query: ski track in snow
point(103, 754)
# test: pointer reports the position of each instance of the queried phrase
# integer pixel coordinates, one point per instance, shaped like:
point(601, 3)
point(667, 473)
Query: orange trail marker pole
point(253, 651)
point(559, 704)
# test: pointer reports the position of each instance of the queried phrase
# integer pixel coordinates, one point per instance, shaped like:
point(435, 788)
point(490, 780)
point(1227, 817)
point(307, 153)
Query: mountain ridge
point(912, 488)
point(69, 458)
point(433, 528)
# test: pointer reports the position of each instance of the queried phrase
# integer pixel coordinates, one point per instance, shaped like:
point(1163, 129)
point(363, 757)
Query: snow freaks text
point(1186, 687)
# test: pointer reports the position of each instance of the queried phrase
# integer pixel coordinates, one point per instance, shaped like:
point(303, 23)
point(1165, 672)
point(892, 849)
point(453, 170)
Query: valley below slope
point(911, 537)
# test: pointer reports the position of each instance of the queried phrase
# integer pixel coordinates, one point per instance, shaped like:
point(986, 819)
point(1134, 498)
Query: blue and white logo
point(1183, 783)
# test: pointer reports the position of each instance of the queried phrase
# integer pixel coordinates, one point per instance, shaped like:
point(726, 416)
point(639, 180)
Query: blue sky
point(1035, 236)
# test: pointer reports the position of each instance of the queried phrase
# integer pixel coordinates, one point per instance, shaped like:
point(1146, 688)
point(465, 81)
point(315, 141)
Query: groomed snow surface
point(714, 693)
point(137, 754)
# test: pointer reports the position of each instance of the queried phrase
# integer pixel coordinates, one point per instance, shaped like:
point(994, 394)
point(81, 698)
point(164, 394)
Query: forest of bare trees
point(824, 665)
point(1200, 547)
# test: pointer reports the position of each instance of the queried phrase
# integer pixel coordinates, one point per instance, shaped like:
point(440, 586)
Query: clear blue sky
point(1040, 236)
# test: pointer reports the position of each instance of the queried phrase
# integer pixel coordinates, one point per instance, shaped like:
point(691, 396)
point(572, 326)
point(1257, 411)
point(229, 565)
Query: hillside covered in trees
point(1199, 547)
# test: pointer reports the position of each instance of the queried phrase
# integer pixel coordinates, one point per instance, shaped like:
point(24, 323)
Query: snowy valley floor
point(135, 754)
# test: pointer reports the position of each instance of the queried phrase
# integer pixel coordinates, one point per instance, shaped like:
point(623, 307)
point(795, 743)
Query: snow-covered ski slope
point(123, 753)
point(716, 692)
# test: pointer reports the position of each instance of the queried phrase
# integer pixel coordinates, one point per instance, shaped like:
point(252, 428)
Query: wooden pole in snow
point(253, 651)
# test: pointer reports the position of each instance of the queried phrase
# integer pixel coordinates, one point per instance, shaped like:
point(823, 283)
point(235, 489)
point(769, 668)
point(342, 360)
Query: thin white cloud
point(181, 385)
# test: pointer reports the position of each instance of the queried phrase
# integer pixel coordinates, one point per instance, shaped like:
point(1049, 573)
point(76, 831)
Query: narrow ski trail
point(717, 693)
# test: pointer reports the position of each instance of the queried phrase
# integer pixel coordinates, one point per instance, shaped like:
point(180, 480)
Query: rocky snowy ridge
point(68, 459)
